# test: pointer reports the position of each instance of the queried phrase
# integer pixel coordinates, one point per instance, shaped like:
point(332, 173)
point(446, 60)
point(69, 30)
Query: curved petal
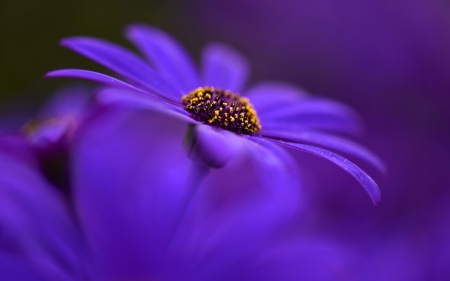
point(238, 226)
point(277, 171)
point(223, 67)
point(121, 61)
point(365, 180)
point(313, 113)
point(325, 123)
point(129, 172)
point(269, 96)
point(329, 141)
point(94, 76)
point(210, 146)
point(311, 107)
point(70, 100)
point(169, 57)
point(34, 219)
point(141, 100)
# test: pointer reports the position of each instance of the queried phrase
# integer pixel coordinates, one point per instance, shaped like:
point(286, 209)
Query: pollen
point(222, 108)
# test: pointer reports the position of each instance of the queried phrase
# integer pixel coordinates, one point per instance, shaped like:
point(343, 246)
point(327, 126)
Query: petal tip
point(377, 199)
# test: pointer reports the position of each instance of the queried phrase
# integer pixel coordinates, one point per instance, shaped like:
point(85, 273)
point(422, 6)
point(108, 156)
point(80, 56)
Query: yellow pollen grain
point(222, 108)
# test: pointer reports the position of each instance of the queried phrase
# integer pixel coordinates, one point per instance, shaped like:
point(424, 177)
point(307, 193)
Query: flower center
point(222, 108)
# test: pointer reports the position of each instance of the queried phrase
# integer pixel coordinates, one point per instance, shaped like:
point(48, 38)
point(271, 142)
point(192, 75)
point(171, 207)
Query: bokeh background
point(390, 60)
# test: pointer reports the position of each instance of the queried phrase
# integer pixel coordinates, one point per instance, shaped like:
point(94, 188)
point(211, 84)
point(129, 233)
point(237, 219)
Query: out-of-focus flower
point(128, 220)
point(278, 113)
point(53, 127)
point(57, 121)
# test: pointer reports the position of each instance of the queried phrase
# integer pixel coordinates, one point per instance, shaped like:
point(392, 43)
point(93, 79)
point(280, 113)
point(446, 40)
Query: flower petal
point(314, 106)
point(329, 141)
point(94, 76)
point(34, 218)
point(277, 170)
point(129, 172)
point(169, 57)
point(121, 61)
point(209, 146)
point(235, 229)
point(365, 180)
point(269, 96)
point(324, 123)
point(70, 100)
point(314, 113)
point(223, 67)
point(141, 100)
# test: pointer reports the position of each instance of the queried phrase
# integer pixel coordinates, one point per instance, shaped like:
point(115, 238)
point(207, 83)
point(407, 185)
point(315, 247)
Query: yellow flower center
point(222, 108)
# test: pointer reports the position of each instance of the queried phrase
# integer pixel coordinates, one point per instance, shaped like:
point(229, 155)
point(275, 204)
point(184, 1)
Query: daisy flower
point(216, 104)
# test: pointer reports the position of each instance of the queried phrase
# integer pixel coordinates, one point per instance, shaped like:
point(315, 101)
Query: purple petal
point(277, 170)
point(329, 141)
point(236, 229)
point(274, 95)
point(169, 57)
point(223, 67)
point(317, 123)
point(97, 77)
point(365, 180)
point(313, 113)
point(129, 172)
point(71, 100)
point(121, 61)
point(210, 146)
point(142, 100)
point(50, 133)
point(314, 106)
point(34, 218)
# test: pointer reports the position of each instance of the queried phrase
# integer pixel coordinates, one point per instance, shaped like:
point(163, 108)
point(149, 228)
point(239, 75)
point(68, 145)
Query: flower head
point(271, 113)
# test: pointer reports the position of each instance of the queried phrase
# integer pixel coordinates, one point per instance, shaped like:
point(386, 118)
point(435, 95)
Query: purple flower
point(127, 220)
point(58, 120)
point(279, 113)
point(52, 129)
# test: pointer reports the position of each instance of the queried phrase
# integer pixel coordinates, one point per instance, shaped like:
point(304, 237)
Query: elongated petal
point(169, 57)
point(121, 61)
point(276, 168)
point(102, 78)
point(238, 227)
point(326, 123)
point(312, 107)
point(329, 141)
point(142, 100)
point(210, 147)
point(129, 172)
point(223, 67)
point(34, 218)
point(70, 100)
point(365, 180)
point(269, 96)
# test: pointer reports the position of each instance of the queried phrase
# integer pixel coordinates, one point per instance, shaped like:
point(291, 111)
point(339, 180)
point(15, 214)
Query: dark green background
point(30, 32)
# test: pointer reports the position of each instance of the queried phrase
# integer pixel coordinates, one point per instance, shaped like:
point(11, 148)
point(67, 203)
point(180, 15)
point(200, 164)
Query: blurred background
point(389, 60)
